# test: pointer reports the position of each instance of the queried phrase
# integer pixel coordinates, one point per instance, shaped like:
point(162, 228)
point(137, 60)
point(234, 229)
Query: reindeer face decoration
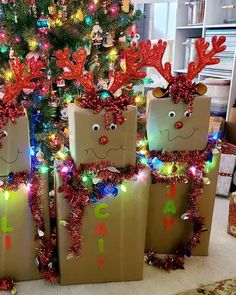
point(178, 117)
point(91, 141)
point(103, 127)
point(15, 147)
point(14, 125)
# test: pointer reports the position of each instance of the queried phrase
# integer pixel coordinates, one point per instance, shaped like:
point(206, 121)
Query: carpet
point(225, 287)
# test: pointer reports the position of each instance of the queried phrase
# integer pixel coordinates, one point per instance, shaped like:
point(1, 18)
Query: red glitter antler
point(135, 59)
point(157, 57)
point(24, 73)
point(76, 68)
point(205, 58)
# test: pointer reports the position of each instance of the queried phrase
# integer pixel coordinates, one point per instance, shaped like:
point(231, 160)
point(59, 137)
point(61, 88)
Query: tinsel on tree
point(34, 30)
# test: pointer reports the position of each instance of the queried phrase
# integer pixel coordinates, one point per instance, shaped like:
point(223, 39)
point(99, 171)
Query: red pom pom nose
point(179, 125)
point(103, 140)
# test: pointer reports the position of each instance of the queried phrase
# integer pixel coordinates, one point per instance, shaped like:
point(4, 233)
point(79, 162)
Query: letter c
point(97, 211)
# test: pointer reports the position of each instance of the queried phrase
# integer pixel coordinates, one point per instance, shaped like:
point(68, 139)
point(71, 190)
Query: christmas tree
point(34, 30)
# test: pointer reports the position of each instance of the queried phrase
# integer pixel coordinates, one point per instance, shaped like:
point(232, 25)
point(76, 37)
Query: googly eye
point(96, 127)
point(187, 114)
point(113, 126)
point(5, 133)
point(172, 114)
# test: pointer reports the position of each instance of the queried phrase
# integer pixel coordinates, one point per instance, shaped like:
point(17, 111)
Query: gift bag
point(113, 236)
point(167, 225)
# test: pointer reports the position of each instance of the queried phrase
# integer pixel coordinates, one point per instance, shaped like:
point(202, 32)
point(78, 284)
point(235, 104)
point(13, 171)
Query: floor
point(199, 270)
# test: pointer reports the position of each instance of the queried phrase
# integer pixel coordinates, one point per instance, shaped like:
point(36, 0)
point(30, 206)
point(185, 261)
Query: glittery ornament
point(43, 24)
point(108, 41)
point(97, 35)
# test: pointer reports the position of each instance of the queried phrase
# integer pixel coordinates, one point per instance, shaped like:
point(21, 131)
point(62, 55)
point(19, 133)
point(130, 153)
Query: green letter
point(100, 215)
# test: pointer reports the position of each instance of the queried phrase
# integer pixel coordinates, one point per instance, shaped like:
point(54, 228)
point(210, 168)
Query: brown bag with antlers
point(105, 130)
point(177, 120)
point(17, 228)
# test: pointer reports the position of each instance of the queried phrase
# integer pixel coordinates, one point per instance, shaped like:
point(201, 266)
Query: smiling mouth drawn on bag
point(102, 158)
point(178, 136)
point(11, 162)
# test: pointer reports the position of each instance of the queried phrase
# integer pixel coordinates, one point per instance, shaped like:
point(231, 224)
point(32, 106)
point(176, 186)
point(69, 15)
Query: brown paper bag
point(116, 255)
point(17, 234)
point(87, 129)
point(163, 115)
point(166, 240)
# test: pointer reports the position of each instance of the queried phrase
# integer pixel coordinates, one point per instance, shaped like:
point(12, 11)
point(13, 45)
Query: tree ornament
point(94, 63)
point(33, 8)
point(52, 9)
point(102, 84)
point(32, 55)
point(43, 24)
point(60, 82)
point(63, 8)
point(104, 6)
point(40, 156)
point(122, 38)
point(108, 40)
point(97, 35)
point(15, 17)
point(12, 54)
point(125, 6)
point(4, 1)
point(64, 113)
point(2, 14)
point(78, 16)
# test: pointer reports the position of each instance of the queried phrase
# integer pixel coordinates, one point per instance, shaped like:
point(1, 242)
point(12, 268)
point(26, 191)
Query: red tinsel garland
point(112, 106)
point(7, 284)
point(79, 196)
point(9, 111)
point(182, 89)
point(45, 251)
point(192, 214)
